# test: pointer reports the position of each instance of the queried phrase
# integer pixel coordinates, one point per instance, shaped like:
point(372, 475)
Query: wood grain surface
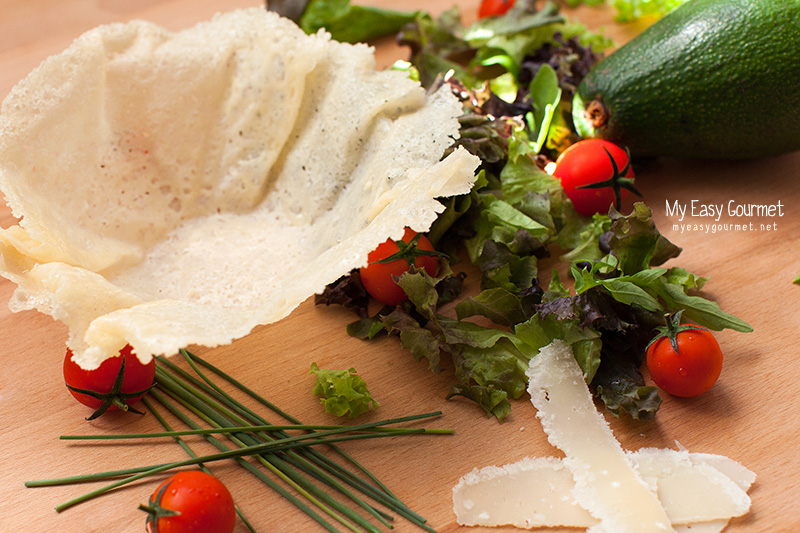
point(750, 415)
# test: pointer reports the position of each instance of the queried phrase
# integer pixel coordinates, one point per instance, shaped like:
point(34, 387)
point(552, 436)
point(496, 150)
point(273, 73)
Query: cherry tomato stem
point(595, 175)
point(117, 383)
point(684, 359)
point(391, 259)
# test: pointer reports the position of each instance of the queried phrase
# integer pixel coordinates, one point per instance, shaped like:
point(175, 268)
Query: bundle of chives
point(191, 454)
point(324, 489)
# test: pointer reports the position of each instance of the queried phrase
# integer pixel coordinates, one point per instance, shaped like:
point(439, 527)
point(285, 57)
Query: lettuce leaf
point(489, 368)
point(636, 242)
point(342, 392)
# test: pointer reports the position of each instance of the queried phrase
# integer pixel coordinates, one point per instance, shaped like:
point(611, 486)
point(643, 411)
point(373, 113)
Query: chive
point(171, 382)
point(190, 453)
point(293, 458)
point(384, 494)
point(270, 405)
point(216, 414)
point(209, 387)
point(402, 509)
point(247, 466)
point(223, 430)
point(86, 478)
point(278, 445)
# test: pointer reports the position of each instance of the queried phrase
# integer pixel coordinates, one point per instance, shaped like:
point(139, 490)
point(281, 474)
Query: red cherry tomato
point(191, 502)
point(588, 162)
point(378, 278)
point(690, 371)
point(99, 389)
point(492, 8)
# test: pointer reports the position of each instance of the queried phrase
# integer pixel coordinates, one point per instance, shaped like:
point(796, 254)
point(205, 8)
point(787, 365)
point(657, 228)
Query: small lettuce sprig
point(342, 392)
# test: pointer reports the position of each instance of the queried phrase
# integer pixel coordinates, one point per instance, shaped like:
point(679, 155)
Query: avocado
point(717, 79)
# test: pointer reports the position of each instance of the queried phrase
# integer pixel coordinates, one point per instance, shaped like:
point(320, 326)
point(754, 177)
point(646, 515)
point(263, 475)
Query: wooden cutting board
point(749, 415)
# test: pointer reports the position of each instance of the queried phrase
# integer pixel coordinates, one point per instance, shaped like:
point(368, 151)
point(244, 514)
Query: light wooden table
point(750, 415)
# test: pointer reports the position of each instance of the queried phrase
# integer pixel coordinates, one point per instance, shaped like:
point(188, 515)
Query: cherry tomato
point(101, 389)
point(379, 278)
point(692, 369)
point(491, 8)
point(589, 162)
point(191, 502)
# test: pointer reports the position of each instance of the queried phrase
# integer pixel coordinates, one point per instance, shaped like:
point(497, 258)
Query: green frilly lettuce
point(342, 392)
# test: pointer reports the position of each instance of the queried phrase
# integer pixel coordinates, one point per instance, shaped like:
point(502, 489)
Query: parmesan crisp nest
point(177, 189)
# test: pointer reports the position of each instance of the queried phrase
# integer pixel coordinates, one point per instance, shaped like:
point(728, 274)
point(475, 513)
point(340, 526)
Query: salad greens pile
point(515, 75)
point(351, 23)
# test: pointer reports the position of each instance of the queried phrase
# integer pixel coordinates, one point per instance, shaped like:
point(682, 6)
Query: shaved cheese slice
point(597, 485)
point(705, 527)
point(701, 490)
point(531, 493)
point(740, 474)
point(691, 490)
point(606, 482)
point(737, 472)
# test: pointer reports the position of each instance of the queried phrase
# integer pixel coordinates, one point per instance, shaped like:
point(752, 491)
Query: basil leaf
point(704, 312)
point(629, 293)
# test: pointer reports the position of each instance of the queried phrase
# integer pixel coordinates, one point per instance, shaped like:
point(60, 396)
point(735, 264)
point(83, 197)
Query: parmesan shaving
point(531, 493)
point(598, 486)
point(606, 482)
point(183, 188)
point(695, 489)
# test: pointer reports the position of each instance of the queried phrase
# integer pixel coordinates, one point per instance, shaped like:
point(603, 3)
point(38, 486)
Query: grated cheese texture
point(182, 188)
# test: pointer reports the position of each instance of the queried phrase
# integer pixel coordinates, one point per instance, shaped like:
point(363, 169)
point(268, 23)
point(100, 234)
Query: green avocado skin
point(716, 79)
